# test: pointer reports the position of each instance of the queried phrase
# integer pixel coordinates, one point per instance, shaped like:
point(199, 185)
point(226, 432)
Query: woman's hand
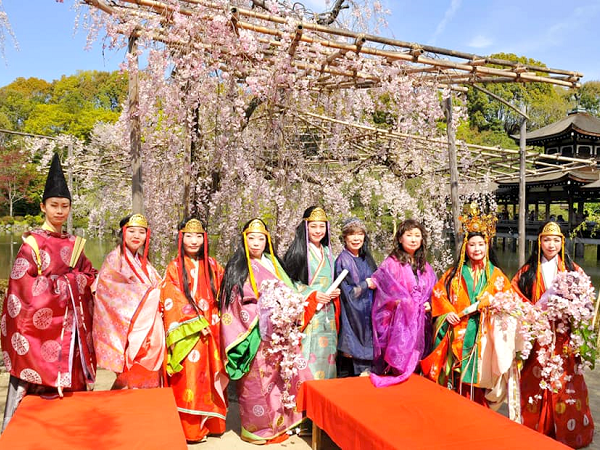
point(323, 298)
point(452, 318)
point(370, 283)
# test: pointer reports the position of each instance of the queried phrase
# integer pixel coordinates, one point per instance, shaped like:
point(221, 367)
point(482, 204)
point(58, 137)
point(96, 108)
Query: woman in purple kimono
point(355, 341)
point(266, 391)
point(402, 307)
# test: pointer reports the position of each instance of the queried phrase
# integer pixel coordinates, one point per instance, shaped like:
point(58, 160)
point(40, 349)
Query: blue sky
point(563, 35)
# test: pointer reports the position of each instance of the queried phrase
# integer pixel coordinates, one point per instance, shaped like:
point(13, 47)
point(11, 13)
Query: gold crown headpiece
point(137, 220)
point(552, 229)
point(474, 222)
point(256, 226)
point(193, 226)
point(317, 215)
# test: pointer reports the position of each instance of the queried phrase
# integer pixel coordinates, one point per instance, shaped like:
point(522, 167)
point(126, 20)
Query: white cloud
point(448, 16)
point(480, 41)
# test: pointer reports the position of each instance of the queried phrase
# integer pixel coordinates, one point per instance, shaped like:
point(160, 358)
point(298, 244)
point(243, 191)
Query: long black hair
point(200, 256)
point(528, 277)
point(491, 258)
point(420, 257)
point(295, 261)
point(236, 270)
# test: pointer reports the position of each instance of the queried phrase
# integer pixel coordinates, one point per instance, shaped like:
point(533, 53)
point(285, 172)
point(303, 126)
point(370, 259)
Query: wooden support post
point(522, 185)
point(135, 132)
point(547, 204)
point(571, 215)
point(453, 173)
point(70, 176)
point(316, 437)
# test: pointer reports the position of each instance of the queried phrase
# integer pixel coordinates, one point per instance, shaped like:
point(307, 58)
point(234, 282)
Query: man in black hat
point(46, 319)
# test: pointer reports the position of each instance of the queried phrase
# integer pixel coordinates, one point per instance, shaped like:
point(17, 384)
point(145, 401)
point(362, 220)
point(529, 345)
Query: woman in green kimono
point(309, 263)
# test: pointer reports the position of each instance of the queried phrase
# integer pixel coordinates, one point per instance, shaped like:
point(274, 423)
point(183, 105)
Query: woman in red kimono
point(563, 414)
point(47, 313)
point(195, 368)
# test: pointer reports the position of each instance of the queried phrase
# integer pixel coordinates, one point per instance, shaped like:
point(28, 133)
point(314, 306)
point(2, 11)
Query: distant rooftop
point(579, 121)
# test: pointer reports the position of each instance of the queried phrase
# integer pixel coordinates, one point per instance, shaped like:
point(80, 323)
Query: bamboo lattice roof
point(431, 63)
point(440, 66)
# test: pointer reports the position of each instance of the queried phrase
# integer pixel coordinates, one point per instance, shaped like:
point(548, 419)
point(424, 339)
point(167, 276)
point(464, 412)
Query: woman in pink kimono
point(125, 278)
point(261, 385)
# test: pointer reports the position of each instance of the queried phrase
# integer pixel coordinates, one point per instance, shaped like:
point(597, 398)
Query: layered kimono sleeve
point(352, 287)
point(398, 320)
point(182, 325)
point(240, 333)
point(440, 302)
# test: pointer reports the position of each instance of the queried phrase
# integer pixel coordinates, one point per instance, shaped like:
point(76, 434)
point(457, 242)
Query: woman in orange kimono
point(469, 356)
point(563, 414)
point(195, 368)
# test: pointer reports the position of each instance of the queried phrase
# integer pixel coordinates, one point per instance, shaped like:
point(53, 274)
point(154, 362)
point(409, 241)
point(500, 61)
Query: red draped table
point(131, 419)
point(416, 414)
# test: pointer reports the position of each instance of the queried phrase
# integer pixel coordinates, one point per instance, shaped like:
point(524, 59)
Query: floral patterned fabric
point(565, 414)
point(260, 383)
point(119, 291)
point(194, 362)
point(47, 314)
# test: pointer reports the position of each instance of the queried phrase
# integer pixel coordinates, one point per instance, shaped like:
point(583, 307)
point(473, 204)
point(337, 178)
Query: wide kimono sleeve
point(44, 298)
point(352, 287)
point(240, 333)
point(398, 320)
point(183, 325)
point(440, 302)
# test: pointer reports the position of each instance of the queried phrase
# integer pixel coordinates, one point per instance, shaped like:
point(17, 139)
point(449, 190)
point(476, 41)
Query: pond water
point(97, 249)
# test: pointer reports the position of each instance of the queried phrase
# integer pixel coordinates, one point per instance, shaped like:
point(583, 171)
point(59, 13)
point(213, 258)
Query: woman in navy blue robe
point(355, 341)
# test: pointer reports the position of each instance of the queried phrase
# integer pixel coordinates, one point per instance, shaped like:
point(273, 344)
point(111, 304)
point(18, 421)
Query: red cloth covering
point(128, 419)
point(416, 414)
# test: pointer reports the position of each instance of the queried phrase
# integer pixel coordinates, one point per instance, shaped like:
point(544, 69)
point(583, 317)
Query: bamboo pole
point(474, 65)
point(135, 133)
point(522, 191)
point(70, 176)
point(454, 199)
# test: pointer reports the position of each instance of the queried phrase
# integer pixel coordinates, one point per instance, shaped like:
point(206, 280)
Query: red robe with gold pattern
point(564, 415)
point(46, 325)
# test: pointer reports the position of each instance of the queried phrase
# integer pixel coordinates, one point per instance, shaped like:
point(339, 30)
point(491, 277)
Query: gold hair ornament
point(550, 229)
point(257, 226)
point(317, 215)
point(193, 226)
point(472, 221)
point(137, 220)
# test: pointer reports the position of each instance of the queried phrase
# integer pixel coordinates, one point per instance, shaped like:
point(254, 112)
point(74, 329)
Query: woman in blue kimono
point(355, 339)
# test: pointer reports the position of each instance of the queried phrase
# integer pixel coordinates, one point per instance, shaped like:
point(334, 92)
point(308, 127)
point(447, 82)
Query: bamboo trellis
point(494, 163)
point(443, 67)
point(433, 63)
